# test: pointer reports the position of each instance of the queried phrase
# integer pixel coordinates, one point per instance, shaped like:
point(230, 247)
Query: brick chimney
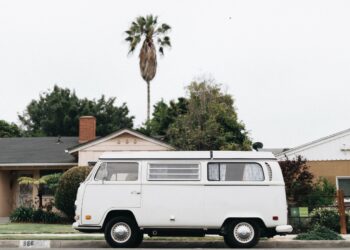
point(87, 128)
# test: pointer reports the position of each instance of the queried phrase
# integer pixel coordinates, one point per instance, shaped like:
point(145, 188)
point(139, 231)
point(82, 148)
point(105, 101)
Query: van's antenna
point(211, 154)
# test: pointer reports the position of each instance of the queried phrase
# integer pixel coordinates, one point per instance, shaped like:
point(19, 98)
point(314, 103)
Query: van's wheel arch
point(123, 231)
point(242, 233)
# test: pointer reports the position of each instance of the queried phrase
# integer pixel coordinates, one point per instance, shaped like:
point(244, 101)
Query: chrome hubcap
point(121, 232)
point(243, 232)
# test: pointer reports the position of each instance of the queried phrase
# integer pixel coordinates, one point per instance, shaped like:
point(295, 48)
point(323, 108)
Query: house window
point(343, 183)
point(173, 172)
point(234, 171)
point(117, 171)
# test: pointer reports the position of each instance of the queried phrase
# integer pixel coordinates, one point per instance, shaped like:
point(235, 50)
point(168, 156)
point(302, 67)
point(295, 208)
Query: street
point(188, 248)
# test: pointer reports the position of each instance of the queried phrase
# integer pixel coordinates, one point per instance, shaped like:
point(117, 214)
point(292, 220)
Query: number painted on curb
point(34, 244)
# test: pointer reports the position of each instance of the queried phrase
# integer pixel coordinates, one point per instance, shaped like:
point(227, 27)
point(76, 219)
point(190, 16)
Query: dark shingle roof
point(36, 150)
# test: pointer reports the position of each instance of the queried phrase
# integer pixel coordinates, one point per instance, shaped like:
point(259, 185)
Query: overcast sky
point(287, 63)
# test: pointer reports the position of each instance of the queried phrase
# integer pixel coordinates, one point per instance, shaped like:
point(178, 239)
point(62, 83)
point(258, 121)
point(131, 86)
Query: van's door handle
point(135, 192)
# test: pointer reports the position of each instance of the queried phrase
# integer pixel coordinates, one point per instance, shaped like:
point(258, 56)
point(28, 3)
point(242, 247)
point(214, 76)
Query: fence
point(301, 220)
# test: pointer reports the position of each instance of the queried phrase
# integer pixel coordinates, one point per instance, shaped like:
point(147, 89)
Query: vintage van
point(239, 195)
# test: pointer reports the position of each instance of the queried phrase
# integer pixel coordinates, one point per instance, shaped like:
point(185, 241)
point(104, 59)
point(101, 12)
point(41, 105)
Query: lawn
point(31, 228)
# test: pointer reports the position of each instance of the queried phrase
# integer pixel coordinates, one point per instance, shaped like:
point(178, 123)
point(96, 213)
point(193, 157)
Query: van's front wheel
point(123, 232)
point(242, 234)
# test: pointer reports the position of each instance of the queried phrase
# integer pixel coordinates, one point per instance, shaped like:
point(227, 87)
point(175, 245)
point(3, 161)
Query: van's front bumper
point(283, 229)
point(84, 228)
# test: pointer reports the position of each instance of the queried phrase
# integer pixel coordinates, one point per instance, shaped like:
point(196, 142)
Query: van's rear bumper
point(283, 229)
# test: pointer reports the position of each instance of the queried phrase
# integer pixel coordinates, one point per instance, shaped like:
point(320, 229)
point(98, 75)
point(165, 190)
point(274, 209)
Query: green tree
point(147, 29)
point(163, 116)
point(210, 123)
point(57, 112)
point(9, 129)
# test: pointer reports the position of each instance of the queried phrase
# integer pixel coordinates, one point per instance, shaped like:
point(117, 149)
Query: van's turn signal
point(88, 217)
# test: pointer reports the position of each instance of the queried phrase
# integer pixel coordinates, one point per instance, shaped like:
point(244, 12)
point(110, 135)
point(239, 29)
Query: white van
point(239, 195)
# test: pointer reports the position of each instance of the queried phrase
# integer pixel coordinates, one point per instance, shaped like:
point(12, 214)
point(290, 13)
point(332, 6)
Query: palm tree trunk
point(148, 100)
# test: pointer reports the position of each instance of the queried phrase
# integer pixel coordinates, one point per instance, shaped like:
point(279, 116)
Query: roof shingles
point(36, 150)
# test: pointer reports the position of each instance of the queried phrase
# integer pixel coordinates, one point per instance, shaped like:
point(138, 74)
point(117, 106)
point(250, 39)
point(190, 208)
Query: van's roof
point(125, 155)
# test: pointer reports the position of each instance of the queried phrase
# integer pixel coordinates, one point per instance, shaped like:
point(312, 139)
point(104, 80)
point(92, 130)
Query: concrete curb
point(178, 244)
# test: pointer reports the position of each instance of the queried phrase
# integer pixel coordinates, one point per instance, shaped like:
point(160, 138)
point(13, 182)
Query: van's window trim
point(170, 180)
point(102, 162)
point(237, 162)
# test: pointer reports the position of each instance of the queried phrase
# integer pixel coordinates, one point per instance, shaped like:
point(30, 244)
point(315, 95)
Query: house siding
point(329, 169)
point(5, 194)
point(124, 142)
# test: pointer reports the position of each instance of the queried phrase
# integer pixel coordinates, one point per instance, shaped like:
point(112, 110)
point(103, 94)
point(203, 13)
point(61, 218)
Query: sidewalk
point(90, 241)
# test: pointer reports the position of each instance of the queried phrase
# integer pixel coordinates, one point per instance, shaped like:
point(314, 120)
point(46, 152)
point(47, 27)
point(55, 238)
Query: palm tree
point(148, 30)
point(34, 182)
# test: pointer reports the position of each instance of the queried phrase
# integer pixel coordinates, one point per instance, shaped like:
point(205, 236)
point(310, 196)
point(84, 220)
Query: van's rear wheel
point(123, 232)
point(242, 234)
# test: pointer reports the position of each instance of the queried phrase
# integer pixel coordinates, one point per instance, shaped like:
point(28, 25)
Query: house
point(38, 156)
point(327, 157)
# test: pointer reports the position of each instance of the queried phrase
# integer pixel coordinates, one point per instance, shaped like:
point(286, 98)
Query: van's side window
point(173, 172)
point(235, 171)
point(117, 171)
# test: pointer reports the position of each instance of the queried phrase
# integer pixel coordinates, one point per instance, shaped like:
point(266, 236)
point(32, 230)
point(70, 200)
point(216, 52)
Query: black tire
point(140, 239)
point(132, 235)
point(233, 239)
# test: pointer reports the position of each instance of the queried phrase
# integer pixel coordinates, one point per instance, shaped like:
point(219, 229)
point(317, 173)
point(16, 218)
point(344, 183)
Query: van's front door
point(116, 185)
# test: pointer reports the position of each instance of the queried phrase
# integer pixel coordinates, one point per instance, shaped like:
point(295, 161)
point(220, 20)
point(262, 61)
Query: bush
point(22, 214)
point(323, 194)
point(319, 233)
point(67, 189)
point(328, 217)
point(300, 224)
point(28, 214)
point(41, 216)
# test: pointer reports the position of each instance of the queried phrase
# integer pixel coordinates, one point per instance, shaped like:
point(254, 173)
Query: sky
point(286, 63)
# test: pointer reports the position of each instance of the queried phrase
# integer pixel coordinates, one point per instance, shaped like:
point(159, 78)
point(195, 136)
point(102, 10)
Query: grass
point(34, 228)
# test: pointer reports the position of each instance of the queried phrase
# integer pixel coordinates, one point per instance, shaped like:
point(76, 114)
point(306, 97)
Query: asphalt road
point(189, 248)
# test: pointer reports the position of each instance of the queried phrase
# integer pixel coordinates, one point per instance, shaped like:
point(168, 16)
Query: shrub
point(22, 214)
point(323, 194)
point(28, 214)
point(38, 215)
point(298, 180)
point(300, 224)
point(41, 216)
point(319, 233)
point(67, 189)
point(328, 217)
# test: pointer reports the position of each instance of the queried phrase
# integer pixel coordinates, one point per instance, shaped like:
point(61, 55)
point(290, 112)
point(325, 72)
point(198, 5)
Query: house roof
point(313, 144)
point(32, 151)
point(275, 151)
point(76, 148)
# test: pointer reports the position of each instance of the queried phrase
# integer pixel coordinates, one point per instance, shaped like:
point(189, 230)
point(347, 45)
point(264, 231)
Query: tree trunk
point(148, 100)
